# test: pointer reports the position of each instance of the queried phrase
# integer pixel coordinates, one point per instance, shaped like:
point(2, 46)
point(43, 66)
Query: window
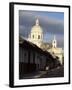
point(38, 36)
point(33, 36)
point(54, 41)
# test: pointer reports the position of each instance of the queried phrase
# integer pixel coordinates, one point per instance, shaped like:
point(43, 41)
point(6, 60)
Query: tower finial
point(54, 37)
point(37, 22)
point(54, 43)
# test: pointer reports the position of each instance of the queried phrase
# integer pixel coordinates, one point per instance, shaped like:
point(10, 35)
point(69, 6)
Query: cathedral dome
point(36, 35)
point(36, 28)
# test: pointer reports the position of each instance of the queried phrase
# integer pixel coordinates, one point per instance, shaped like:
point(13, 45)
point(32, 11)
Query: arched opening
point(38, 36)
point(33, 36)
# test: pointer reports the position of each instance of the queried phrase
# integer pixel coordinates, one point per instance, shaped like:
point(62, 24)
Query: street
point(56, 72)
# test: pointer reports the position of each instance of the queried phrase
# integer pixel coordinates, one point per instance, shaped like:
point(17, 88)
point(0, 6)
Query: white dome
point(36, 35)
point(36, 29)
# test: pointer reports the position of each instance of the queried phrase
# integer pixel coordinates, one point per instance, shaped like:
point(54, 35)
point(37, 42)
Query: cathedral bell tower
point(54, 42)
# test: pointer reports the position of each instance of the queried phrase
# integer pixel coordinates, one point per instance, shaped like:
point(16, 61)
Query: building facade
point(33, 59)
point(56, 51)
point(36, 37)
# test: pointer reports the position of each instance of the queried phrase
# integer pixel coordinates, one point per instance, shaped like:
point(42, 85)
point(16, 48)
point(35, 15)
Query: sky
point(52, 23)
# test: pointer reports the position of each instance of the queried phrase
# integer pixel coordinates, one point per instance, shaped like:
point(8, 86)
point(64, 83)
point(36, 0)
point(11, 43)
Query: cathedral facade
point(36, 37)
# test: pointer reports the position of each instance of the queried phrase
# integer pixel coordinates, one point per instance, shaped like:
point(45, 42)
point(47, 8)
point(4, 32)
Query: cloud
point(24, 30)
point(50, 25)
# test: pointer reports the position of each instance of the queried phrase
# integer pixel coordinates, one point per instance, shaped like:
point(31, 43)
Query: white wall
point(4, 44)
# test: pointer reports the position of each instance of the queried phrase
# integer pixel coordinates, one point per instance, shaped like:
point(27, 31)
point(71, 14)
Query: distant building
point(56, 51)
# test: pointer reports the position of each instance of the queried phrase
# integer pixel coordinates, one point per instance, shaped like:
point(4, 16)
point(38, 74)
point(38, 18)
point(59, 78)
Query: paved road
point(56, 72)
point(33, 75)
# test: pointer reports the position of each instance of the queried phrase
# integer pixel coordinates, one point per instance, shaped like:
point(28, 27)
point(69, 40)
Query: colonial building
point(33, 59)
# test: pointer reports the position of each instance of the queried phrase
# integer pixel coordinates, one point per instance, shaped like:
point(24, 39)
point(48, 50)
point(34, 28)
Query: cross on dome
point(37, 22)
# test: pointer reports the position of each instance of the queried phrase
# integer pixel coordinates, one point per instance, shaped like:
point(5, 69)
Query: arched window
point(54, 41)
point(33, 36)
point(38, 36)
point(41, 36)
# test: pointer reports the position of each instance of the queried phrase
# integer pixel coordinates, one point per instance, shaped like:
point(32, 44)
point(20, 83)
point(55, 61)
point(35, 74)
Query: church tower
point(36, 35)
point(54, 42)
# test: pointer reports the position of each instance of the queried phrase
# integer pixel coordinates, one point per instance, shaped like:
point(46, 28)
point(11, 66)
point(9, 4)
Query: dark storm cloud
point(50, 25)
